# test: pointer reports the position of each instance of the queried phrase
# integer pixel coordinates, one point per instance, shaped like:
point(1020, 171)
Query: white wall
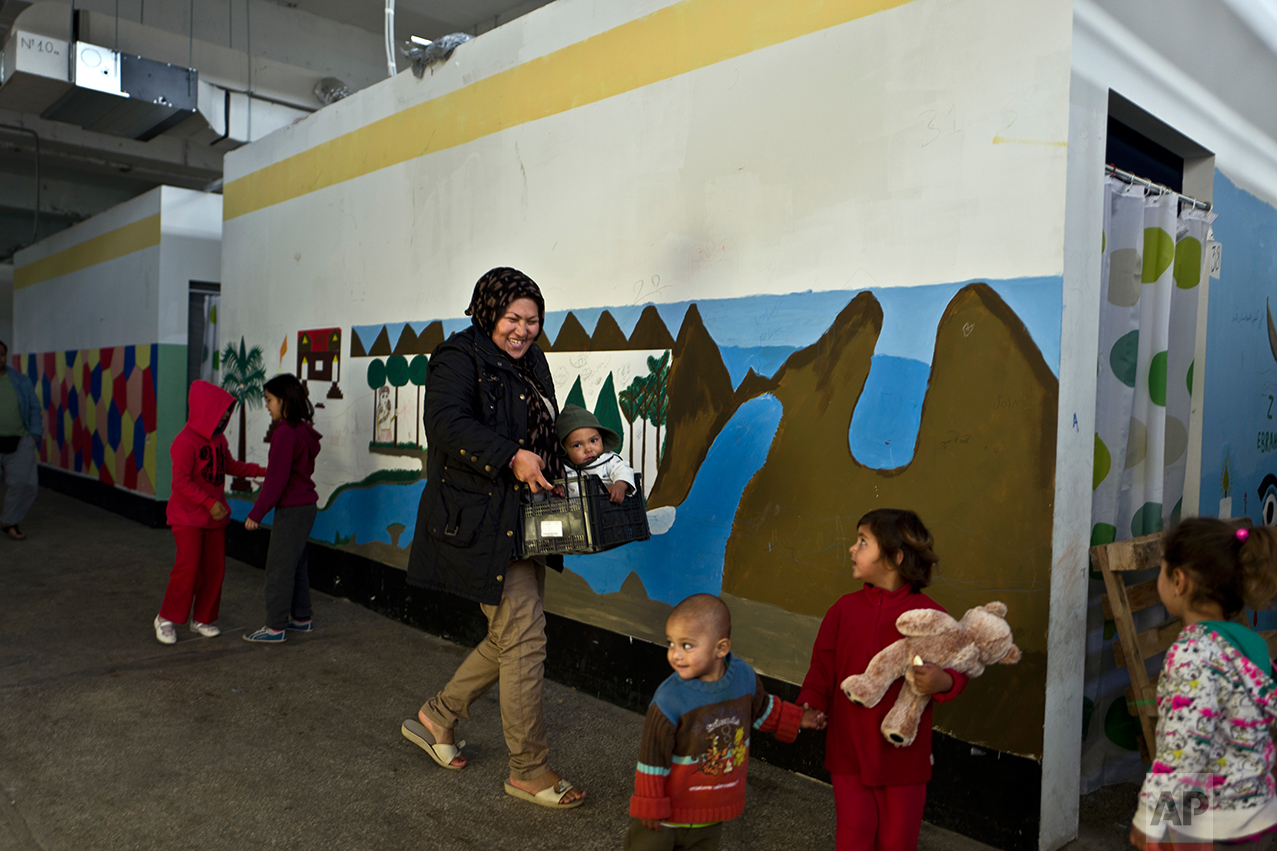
point(137, 298)
point(113, 303)
point(190, 250)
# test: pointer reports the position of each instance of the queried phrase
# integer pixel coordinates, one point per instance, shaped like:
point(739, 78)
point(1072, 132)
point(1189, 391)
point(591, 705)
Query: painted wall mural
point(1239, 429)
point(319, 358)
point(766, 425)
point(100, 413)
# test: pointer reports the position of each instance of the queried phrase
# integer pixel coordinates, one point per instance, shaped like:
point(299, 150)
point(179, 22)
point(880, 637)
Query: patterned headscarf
point(492, 295)
point(495, 291)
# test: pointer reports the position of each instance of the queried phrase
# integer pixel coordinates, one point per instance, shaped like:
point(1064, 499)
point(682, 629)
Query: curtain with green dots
point(1152, 264)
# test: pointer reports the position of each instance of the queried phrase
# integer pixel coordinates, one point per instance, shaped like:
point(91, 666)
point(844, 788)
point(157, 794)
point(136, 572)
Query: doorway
point(202, 336)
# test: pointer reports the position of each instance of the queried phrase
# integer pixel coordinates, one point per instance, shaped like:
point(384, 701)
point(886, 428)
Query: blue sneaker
point(300, 626)
point(265, 635)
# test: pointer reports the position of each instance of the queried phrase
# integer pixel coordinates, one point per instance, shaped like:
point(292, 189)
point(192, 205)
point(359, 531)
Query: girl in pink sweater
point(289, 490)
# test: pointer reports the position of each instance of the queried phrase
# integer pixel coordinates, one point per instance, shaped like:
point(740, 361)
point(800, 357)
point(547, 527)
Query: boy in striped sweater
point(695, 749)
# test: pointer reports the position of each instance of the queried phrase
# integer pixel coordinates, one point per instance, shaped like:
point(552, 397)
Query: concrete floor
point(109, 739)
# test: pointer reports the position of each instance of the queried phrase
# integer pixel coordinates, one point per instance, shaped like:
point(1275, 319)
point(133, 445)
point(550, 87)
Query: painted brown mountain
point(572, 336)
point(407, 344)
point(651, 332)
point(356, 345)
point(430, 337)
point(701, 403)
point(982, 479)
point(608, 336)
point(381, 345)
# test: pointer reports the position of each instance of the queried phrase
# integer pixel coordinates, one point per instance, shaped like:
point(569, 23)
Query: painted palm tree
point(631, 400)
point(243, 376)
point(656, 400)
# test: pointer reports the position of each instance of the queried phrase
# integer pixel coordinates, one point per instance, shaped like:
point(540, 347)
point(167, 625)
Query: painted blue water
point(688, 559)
point(362, 512)
point(764, 360)
point(884, 427)
point(685, 560)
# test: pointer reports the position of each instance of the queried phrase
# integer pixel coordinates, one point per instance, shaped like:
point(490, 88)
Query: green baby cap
point(573, 417)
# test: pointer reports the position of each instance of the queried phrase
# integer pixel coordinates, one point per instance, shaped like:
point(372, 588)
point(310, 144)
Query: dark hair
point(900, 531)
point(708, 611)
point(1236, 568)
point(292, 393)
point(4, 346)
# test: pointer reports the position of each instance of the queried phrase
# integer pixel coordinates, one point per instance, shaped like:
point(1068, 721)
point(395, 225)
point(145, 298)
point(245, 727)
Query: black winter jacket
point(476, 418)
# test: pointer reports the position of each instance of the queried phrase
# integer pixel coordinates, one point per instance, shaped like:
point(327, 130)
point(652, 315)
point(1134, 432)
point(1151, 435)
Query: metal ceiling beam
point(72, 201)
point(166, 159)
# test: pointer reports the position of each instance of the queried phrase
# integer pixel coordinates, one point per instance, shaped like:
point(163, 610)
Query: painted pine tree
point(607, 411)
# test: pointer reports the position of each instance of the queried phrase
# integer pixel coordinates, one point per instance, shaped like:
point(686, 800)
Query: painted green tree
point(606, 410)
point(629, 404)
point(376, 381)
point(656, 400)
point(635, 399)
point(243, 376)
point(397, 374)
point(576, 396)
point(418, 368)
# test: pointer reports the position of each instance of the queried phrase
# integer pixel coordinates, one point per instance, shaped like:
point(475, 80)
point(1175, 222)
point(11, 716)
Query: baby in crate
point(591, 449)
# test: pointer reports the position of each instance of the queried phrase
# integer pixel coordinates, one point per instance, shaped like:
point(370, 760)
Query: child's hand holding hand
point(616, 492)
point(251, 525)
point(651, 823)
point(813, 719)
point(219, 510)
point(930, 678)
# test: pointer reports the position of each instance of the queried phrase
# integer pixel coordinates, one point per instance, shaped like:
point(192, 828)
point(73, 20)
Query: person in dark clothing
point(489, 418)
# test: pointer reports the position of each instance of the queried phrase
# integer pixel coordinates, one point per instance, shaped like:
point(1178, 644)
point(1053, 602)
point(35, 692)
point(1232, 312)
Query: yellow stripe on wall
point(117, 243)
point(672, 41)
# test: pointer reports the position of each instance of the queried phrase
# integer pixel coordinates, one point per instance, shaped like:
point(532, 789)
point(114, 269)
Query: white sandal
point(551, 796)
point(416, 732)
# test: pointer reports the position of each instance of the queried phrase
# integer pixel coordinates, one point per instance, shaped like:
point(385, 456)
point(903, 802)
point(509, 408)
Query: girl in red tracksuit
point(879, 789)
point(198, 513)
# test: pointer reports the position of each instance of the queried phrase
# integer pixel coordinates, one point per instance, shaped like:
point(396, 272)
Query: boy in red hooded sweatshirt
point(198, 513)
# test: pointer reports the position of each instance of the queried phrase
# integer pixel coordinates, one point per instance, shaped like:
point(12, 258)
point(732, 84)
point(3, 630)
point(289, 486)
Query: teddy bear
point(981, 638)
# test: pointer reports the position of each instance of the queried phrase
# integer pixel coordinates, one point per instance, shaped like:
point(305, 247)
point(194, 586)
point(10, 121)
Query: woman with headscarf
point(489, 418)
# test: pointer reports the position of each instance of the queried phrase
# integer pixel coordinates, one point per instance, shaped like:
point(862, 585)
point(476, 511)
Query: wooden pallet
point(1120, 603)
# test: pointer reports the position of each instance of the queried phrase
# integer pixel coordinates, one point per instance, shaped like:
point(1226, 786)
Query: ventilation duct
point(125, 95)
point(96, 88)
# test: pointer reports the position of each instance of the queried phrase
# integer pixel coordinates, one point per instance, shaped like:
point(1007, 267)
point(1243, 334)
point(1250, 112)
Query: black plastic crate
point(579, 525)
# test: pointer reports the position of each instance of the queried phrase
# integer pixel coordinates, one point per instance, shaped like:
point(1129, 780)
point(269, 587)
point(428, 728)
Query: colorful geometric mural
point(99, 412)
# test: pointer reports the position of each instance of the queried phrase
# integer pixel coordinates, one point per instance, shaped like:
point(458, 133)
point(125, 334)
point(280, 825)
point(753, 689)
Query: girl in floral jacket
point(1211, 782)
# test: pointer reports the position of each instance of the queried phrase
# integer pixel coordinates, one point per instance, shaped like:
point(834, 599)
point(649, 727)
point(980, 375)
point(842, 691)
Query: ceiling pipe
point(390, 38)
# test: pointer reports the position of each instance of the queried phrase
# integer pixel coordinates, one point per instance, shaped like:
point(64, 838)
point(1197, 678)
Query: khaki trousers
point(512, 654)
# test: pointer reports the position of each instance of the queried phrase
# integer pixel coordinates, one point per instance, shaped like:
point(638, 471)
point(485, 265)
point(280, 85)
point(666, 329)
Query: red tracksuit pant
point(197, 575)
point(877, 818)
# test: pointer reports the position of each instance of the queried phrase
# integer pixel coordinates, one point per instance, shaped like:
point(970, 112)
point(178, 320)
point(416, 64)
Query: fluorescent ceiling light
point(416, 39)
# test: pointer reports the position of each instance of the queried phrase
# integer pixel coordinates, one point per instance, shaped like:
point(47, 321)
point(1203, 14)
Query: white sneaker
point(205, 629)
point(164, 631)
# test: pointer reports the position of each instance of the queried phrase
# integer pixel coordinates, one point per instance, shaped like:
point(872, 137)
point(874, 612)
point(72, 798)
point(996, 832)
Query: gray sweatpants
point(287, 571)
point(18, 472)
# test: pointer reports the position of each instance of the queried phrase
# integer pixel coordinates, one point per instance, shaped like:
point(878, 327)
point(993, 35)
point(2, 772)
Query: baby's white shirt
point(609, 467)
